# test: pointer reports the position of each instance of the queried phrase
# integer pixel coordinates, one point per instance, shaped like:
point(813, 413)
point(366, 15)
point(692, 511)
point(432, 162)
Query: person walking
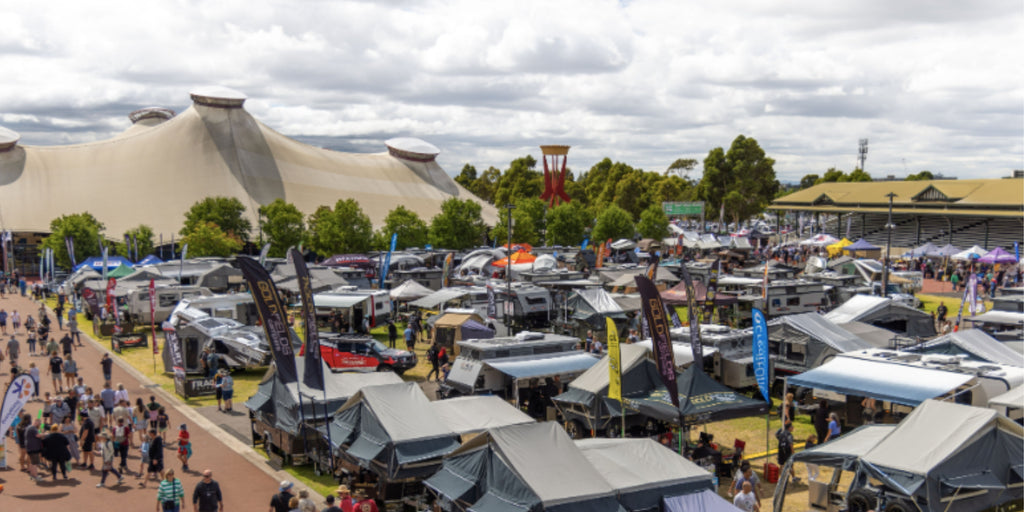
point(410, 337)
point(392, 333)
point(834, 428)
point(13, 350)
point(55, 450)
point(170, 494)
point(106, 451)
point(785, 437)
point(70, 371)
point(34, 448)
point(206, 497)
point(821, 420)
point(54, 371)
point(67, 428)
point(184, 446)
point(156, 457)
point(87, 440)
point(108, 366)
point(280, 501)
point(432, 357)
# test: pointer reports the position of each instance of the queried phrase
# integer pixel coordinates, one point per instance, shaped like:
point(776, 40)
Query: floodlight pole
point(508, 270)
point(889, 226)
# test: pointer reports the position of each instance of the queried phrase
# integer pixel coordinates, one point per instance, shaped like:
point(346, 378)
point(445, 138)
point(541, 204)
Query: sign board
point(678, 208)
point(189, 387)
point(123, 341)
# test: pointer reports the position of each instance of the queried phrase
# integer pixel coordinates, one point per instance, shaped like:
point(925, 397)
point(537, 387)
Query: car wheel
point(862, 500)
point(384, 368)
point(575, 429)
point(900, 505)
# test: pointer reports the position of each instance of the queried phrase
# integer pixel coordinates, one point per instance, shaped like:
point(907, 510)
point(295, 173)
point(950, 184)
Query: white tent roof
point(409, 290)
point(1013, 398)
point(633, 464)
point(210, 150)
point(403, 411)
point(969, 254)
point(596, 377)
point(902, 384)
point(467, 414)
point(931, 433)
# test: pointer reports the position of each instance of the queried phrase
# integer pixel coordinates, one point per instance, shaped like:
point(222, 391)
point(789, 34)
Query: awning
point(1013, 399)
point(329, 300)
point(906, 385)
point(706, 500)
point(998, 318)
point(533, 367)
point(439, 297)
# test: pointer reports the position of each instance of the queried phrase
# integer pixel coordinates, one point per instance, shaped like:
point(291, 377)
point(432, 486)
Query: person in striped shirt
point(170, 494)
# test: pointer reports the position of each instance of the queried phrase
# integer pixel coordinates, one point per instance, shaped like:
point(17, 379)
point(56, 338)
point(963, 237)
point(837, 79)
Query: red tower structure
point(555, 158)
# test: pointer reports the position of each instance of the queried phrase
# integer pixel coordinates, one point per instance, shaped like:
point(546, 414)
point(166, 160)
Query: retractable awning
point(329, 300)
point(906, 385)
point(528, 368)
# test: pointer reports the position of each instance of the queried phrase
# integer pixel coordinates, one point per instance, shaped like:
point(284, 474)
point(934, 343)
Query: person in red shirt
point(364, 504)
point(345, 502)
point(184, 446)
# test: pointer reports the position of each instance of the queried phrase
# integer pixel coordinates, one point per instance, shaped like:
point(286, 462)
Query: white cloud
point(934, 85)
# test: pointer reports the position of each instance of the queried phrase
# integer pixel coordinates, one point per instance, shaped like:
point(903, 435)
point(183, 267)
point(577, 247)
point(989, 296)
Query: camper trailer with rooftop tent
point(354, 305)
point(504, 366)
point(785, 297)
point(236, 306)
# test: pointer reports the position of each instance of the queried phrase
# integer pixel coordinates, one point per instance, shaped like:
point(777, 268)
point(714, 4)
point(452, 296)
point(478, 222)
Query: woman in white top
point(121, 394)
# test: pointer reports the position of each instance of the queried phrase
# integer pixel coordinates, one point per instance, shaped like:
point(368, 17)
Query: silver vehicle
point(237, 345)
point(167, 298)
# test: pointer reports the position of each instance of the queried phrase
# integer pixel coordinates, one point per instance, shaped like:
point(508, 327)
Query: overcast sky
point(932, 84)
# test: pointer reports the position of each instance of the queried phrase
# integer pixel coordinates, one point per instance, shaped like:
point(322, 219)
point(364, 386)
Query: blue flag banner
point(387, 260)
point(761, 353)
point(1016, 250)
point(586, 241)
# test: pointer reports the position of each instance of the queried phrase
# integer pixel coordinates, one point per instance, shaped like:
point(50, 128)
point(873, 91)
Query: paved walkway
point(246, 479)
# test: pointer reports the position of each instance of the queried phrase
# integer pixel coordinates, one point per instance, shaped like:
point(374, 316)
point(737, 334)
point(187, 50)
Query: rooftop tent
point(628, 302)
point(409, 290)
point(81, 274)
point(278, 403)
point(837, 248)
point(120, 271)
point(321, 279)
point(974, 343)
point(592, 305)
point(96, 263)
point(143, 274)
point(400, 261)
point(642, 471)
point(944, 251)
point(708, 241)
point(545, 262)
point(627, 279)
point(517, 257)
point(439, 297)
point(886, 313)
point(219, 277)
point(473, 330)
point(149, 260)
point(740, 243)
point(815, 334)
point(943, 449)
point(902, 384)
point(471, 414)
point(969, 254)
point(393, 431)
point(676, 296)
point(527, 468)
point(998, 255)
point(588, 388)
point(927, 249)
point(705, 501)
point(623, 245)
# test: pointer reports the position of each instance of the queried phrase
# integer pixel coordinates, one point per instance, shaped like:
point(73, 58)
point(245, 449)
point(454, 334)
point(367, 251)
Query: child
point(184, 446)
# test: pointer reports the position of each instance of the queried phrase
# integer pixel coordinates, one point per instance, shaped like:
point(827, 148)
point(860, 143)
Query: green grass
point(930, 302)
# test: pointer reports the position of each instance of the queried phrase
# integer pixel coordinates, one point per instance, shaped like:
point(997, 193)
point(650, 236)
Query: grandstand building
point(964, 213)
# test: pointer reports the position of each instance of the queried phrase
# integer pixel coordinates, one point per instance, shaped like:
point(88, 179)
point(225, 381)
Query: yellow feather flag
point(614, 362)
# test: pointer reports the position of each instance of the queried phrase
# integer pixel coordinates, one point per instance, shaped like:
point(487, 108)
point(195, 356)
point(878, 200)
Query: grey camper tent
point(522, 468)
point(393, 431)
point(885, 313)
point(976, 344)
point(807, 340)
point(942, 457)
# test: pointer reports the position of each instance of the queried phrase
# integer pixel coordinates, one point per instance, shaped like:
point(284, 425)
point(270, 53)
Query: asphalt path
point(246, 480)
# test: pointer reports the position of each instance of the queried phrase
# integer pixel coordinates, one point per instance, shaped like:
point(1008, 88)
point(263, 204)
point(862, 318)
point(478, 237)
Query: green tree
point(458, 226)
point(467, 177)
point(923, 175)
point(411, 230)
point(832, 175)
point(629, 194)
point(743, 179)
point(85, 231)
point(809, 180)
point(485, 186)
point(566, 224)
point(682, 167)
point(283, 225)
point(613, 223)
point(207, 239)
point(653, 223)
point(858, 175)
point(528, 219)
point(520, 181)
point(228, 213)
point(143, 234)
point(345, 229)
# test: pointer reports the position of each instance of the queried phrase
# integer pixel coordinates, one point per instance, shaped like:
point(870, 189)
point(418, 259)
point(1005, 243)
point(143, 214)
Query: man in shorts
point(34, 447)
point(227, 389)
point(54, 371)
point(70, 371)
point(13, 349)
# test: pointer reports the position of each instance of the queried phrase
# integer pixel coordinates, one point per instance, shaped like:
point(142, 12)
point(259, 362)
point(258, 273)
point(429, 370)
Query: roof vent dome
point(8, 139)
point(159, 113)
point(411, 148)
point(217, 96)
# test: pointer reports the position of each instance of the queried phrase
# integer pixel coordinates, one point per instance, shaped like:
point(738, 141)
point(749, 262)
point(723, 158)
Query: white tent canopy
point(970, 254)
point(409, 290)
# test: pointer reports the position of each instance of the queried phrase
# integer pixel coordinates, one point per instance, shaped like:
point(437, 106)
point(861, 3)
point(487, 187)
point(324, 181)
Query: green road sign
point(677, 208)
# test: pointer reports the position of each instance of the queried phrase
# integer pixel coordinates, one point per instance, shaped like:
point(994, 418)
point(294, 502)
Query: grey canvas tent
point(409, 290)
point(321, 279)
point(522, 468)
point(472, 414)
point(277, 403)
point(942, 450)
point(592, 305)
point(807, 340)
point(885, 313)
point(393, 431)
point(976, 344)
point(642, 471)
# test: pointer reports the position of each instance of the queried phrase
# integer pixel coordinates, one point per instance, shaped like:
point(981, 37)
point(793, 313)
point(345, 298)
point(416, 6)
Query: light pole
point(508, 271)
point(889, 226)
